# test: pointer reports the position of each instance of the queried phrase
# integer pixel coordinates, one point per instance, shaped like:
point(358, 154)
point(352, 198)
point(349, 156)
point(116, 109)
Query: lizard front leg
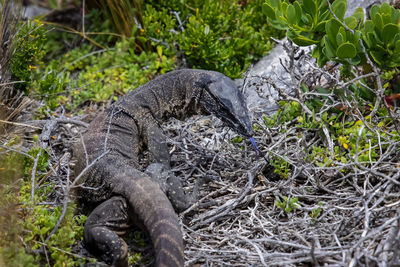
point(157, 145)
point(171, 186)
point(160, 172)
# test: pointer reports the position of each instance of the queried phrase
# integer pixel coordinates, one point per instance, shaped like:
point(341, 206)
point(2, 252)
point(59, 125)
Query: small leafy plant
point(315, 213)
point(352, 139)
point(286, 113)
point(281, 167)
point(288, 204)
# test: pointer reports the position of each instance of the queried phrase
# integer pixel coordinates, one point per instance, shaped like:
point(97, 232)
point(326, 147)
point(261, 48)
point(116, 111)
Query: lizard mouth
point(224, 100)
point(241, 125)
point(230, 114)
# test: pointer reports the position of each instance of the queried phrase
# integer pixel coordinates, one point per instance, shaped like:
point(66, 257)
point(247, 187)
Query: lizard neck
point(175, 94)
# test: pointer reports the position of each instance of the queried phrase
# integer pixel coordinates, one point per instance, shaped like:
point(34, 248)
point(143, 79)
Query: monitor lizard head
point(221, 97)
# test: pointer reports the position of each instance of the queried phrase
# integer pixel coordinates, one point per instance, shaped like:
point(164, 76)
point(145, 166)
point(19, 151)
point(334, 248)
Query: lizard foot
point(171, 186)
point(101, 228)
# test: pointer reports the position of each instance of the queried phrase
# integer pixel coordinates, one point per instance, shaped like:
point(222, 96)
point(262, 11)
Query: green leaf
point(329, 49)
point(44, 230)
point(339, 7)
point(332, 28)
point(301, 40)
point(377, 19)
point(291, 14)
point(309, 19)
point(322, 61)
point(374, 10)
point(359, 14)
point(351, 22)
point(343, 31)
point(386, 9)
point(275, 3)
point(386, 18)
point(356, 37)
point(268, 11)
point(368, 26)
point(299, 12)
point(237, 139)
point(355, 60)
point(320, 26)
point(284, 7)
point(346, 50)
point(389, 31)
point(365, 93)
point(397, 47)
point(206, 29)
point(396, 37)
point(373, 38)
point(377, 57)
point(322, 90)
point(159, 50)
point(278, 24)
point(316, 53)
point(304, 88)
point(339, 39)
point(325, 15)
point(309, 6)
point(395, 16)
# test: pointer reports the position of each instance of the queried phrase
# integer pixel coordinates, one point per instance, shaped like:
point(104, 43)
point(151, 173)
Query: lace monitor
point(123, 194)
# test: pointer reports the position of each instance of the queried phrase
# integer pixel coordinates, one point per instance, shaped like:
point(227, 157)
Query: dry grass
point(9, 17)
point(123, 13)
point(12, 102)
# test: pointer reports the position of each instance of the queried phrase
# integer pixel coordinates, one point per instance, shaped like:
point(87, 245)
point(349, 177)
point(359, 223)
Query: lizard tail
point(155, 211)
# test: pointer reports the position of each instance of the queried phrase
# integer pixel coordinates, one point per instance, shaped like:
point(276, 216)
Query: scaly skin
point(126, 194)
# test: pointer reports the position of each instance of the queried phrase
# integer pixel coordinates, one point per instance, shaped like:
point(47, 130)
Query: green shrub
point(113, 72)
point(219, 35)
point(337, 38)
point(50, 86)
point(381, 35)
point(287, 112)
point(84, 74)
point(159, 28)
point(352, 140)
point(28, 54)
point(36, 221)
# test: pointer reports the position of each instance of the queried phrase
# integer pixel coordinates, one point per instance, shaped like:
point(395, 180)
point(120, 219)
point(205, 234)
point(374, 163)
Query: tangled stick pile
point(346, 213)
point(236, 222)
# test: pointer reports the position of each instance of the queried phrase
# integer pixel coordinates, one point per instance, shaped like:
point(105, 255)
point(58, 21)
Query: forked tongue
point(253, 142)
